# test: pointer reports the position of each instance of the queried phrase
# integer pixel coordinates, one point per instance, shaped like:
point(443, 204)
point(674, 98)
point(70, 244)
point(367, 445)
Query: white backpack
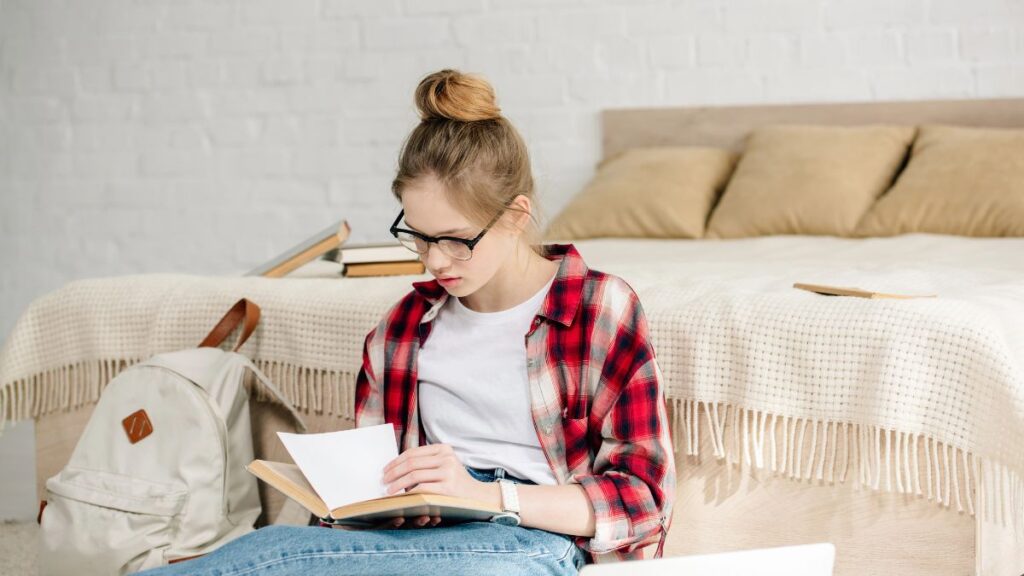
point(159, 472)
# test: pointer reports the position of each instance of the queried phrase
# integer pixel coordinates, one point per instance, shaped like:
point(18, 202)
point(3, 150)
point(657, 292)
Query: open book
point(337, 477)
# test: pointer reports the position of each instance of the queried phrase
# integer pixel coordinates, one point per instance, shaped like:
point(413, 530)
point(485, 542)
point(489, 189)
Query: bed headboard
point(727, 126)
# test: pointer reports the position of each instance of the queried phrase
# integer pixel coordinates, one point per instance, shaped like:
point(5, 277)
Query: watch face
point(505, 519)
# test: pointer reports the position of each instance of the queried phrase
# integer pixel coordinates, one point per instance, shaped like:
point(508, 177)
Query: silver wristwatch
point(509, 515)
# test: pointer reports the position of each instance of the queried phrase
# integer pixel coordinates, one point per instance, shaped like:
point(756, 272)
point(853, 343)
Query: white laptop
point(805, 560)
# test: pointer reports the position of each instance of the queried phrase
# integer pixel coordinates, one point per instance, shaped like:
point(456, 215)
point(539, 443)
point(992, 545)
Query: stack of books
point(304, 252)
point(384, 259)
point(357, 260)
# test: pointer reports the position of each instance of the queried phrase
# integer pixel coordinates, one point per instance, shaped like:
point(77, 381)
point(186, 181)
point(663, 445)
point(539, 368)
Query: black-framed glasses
point(457, 248)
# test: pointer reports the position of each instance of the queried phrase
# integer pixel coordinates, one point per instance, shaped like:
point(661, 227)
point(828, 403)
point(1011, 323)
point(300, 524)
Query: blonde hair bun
point(453, 95)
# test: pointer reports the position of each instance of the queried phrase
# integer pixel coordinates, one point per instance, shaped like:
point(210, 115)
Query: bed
point(892, 428)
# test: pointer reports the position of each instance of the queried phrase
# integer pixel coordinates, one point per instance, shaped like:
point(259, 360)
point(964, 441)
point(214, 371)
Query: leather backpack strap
point(243, 310)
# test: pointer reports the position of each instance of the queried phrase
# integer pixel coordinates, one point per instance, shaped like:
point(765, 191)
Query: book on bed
point(858, 292)
point(337, 476)
point(383, 269)
point(376, 252)
point(304, 252)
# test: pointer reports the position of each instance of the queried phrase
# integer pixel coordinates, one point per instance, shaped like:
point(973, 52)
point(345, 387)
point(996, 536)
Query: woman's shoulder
point(610, 291)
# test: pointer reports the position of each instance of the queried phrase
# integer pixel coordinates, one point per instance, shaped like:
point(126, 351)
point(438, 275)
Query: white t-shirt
point(473, 388)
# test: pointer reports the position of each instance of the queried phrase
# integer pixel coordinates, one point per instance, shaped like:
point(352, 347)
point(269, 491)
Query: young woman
point(518, 376)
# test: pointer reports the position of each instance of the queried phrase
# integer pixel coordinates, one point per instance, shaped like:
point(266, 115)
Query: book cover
point(857, 292)
point(378, 252)
point(306, 251)
point(383, 269)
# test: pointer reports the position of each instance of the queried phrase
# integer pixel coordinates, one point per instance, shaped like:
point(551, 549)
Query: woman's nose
point(436, 259)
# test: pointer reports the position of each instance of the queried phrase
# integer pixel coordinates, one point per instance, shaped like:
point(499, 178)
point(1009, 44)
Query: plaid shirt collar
point(561, 302)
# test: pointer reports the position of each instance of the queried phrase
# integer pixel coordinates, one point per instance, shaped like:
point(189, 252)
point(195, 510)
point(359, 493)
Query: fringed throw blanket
point(921, 396)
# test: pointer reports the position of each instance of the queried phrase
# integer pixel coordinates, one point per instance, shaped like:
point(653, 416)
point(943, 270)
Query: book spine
point(389, 269)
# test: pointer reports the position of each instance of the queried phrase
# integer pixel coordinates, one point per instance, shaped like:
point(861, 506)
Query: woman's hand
point(433, 468)
point(436, 469)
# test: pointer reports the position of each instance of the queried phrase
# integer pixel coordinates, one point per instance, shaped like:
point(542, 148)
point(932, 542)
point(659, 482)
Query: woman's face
point(428, 211)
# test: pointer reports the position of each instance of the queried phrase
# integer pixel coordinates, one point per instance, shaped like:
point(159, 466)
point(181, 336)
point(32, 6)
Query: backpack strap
point(244, 309)
point(248, 311)
point(276, 393)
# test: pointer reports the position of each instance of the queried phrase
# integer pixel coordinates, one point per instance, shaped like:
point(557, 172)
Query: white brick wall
point(205, 136)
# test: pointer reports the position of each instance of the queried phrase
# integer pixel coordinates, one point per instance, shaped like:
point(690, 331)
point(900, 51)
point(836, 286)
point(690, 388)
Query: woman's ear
point(521, 210)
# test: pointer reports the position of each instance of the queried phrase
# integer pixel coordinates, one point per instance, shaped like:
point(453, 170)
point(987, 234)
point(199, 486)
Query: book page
point(346, 466)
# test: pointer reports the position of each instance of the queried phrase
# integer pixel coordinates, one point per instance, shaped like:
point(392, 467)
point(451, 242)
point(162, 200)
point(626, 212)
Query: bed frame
point(720, 507)
point(728, 126)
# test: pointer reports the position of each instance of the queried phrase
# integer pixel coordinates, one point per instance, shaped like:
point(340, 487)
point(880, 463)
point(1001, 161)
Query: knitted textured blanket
point(922, 396)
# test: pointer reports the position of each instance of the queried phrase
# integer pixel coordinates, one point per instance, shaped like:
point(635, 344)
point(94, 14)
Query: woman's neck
point(523, 274)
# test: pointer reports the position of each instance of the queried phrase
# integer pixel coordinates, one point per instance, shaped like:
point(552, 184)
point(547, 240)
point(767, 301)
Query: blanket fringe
point(827, 452)
point(64, 388)
point(310, 389)
point(801, 449)
point(75, 385)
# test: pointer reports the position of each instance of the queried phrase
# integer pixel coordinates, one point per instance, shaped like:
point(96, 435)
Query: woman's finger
point(412, 464)
point(417, 452)
point(395, 522)
point(428, 487)
point(414, 478)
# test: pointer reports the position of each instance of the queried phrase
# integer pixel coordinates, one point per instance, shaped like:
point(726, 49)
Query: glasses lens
point(456, 250)
point(411, 242)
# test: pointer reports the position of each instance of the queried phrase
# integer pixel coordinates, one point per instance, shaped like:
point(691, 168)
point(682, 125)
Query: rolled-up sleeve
point(632, 487)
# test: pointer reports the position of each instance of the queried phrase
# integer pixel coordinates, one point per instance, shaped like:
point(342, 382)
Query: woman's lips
point(449, 282)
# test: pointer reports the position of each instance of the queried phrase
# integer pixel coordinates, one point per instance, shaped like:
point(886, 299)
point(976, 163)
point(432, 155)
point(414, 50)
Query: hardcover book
point(338, 477)
point(858, 292)
point(306, 251)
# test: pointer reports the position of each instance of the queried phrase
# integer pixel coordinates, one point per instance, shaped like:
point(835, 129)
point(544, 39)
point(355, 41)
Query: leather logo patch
point(137, 426)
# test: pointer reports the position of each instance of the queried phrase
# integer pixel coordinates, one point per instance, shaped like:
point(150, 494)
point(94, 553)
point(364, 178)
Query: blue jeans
point(467, 548)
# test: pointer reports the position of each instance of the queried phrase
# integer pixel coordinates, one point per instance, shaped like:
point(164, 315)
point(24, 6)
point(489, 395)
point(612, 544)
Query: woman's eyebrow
point(453, 231)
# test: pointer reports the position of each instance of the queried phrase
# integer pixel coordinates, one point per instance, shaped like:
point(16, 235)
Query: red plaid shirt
point(597, 399)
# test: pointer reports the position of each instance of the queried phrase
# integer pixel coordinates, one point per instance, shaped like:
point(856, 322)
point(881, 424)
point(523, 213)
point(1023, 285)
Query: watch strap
point(509, 496)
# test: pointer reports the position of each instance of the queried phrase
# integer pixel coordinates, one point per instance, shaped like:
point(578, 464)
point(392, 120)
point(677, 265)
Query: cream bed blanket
point(921, 396)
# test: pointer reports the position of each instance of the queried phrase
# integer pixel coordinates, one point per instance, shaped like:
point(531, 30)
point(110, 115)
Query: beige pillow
point(662, 192)
point(817, 180)
point(960, 181)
